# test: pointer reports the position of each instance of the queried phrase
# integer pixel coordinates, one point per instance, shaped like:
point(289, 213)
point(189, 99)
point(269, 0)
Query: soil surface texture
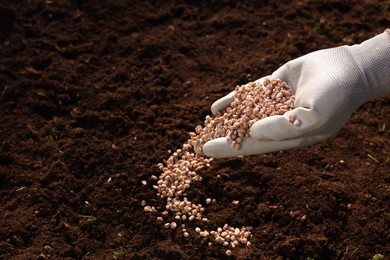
point(94, 94)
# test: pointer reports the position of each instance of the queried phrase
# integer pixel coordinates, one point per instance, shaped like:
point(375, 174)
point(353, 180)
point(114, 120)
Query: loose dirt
point(93, 94)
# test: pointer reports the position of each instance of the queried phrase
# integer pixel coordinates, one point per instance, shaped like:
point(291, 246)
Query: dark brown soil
point(94, 94)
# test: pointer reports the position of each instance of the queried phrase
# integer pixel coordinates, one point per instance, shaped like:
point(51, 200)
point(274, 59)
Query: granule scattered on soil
point(251, 102)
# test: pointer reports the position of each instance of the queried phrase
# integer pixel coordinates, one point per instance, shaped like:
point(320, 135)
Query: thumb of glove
point(293, 124)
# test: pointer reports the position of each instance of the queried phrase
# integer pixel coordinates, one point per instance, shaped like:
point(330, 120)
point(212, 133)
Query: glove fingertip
point(222, 103)
point(212, 148)
point(215, 108)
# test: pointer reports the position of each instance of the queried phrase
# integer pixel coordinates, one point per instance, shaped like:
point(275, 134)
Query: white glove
point(329, 85)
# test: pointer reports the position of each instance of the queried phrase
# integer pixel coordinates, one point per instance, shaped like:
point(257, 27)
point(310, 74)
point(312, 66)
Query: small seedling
point(52, 137)
point(41, 93)
point(378, 257)
point(317, 27)
point(346, 254)
point(118, 253)
point(4, 90)
point(88, 218)
point(372, 158)
point(382, 128)
point(46, 252)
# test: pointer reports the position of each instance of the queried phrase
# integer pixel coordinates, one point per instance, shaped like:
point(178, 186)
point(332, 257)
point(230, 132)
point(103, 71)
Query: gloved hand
point(329, 85)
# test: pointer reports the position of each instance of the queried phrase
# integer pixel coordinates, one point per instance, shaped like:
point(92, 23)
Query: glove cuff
point(373, 59)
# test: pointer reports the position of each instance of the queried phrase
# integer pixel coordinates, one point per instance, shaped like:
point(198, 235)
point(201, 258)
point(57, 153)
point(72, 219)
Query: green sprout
point(52, 137)
point(385, 6)
point(317, 26)
point(382, 128)
point(346, 254)
point(118, 253)
point(3, 92)
point(88, 218)
point(371, 157)
point(378, 257)
point(41, 93)
point(46, 251)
